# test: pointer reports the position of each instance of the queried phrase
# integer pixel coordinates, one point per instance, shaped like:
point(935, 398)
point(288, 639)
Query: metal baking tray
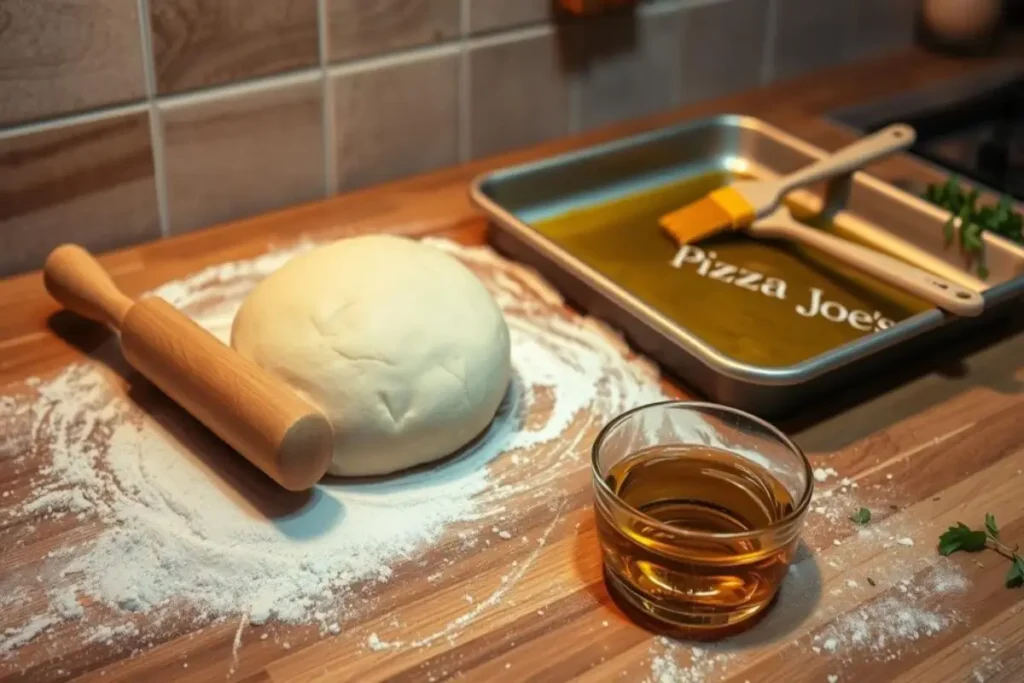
point(861, 207)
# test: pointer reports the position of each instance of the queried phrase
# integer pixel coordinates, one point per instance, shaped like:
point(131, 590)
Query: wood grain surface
point(101, 171)
point(937, 440)
point(198, 44)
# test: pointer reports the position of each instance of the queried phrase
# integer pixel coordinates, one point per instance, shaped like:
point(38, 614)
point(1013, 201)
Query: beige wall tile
point(242, 152)
point(358, 28)
point(493, 15)
point(723, 47)
point(626, 66)
point(883, 26)
point(518, 94)
point(60, 56)
point(87, 182)
point(812, 34)
point(396, 120)
point(198, 43)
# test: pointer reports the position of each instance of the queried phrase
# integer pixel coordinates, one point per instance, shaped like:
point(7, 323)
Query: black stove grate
point(980, 137)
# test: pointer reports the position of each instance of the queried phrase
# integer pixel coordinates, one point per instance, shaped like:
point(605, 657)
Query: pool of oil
point(764, 302)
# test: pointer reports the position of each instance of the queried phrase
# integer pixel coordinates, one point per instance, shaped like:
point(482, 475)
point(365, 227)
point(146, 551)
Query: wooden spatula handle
point(74, 278)
point(254, 412)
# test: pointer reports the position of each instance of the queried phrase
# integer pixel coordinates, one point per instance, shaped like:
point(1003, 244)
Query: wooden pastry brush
point(738, 205)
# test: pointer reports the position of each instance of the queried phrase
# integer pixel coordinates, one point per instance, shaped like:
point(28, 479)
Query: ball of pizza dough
point(398, 343)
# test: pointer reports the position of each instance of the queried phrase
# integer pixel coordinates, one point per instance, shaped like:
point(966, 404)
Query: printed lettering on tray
point(816, 303)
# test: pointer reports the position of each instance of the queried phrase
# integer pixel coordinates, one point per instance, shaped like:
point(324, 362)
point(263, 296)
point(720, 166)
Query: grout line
point(396, 58)
point(464, 105)
point(73, 119)
point(678, 88)
point(156, 133)
point(485, 33)
point(327, 94)
point(511, 36)
point(768, 49)
point(255, 85)
point(464, 19)
point(665, 6)
point(212, 93)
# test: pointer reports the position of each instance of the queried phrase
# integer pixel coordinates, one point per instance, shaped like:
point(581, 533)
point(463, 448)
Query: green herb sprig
point(962, 537)
point(862, 516)
point(1000, 219)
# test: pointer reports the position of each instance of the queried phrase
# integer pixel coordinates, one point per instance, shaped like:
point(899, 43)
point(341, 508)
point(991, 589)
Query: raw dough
point(400, 345)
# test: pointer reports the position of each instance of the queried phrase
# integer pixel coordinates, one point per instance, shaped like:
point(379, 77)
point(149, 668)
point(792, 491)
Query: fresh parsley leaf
point(990, 525)
point(974, 220)
point(972, 200)
point(948, 231)
point(862, 516)
point(1015, 577)
point(964, 214)
point(971, 236)
point(952, 187)
point(961, 537)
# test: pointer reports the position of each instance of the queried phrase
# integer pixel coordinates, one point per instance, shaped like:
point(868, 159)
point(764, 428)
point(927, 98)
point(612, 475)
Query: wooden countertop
point(948, 425)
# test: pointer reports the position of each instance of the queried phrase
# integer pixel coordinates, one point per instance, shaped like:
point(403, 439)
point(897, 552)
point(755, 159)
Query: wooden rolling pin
point(254, 412)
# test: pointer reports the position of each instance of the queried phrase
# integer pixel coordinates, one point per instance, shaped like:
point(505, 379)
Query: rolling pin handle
point(77, 280)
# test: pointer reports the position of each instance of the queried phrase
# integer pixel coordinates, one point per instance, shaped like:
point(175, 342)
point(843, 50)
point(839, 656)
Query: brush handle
point(936, 290)
point(894, 138)
point(256, 413)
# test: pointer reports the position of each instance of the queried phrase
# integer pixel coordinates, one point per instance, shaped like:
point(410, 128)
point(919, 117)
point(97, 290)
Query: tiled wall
point(128, 120)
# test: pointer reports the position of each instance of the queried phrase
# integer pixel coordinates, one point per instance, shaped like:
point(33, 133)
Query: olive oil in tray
point(765, 303)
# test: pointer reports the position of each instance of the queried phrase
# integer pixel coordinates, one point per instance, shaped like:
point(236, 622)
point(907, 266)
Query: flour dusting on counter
point(172, 525)
point(866, 600)
point(148, 527)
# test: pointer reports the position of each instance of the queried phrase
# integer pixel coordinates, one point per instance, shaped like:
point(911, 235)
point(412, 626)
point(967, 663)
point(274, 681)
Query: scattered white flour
point(174, 540)
point(833, 505)
point(823, 473)
point(182, 537)
point(12, 596)
point(377, 645)
point(908, 596)
point(884, 628)
point(673, 662)
point(66, 604)
point(58, 503)
point(15, 638)
point(108, 634)
point(883, 625)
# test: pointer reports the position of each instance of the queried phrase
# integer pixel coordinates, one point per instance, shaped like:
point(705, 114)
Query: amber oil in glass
point(695, 535)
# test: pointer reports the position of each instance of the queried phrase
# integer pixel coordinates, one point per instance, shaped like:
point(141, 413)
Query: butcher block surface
point(937, 441)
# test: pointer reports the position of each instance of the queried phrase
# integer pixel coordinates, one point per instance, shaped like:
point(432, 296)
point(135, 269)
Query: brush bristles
point(696, 221)
point(723, 209)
